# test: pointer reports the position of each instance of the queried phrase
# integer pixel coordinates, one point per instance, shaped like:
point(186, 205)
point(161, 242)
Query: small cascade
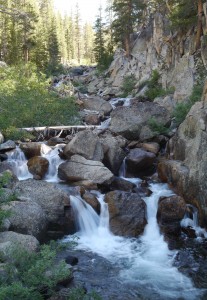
point(145, 261)
point(120, 102)
point(105, 124)
point(191, 220)
point(122, 171)
point(52, 155)
point(18, 161)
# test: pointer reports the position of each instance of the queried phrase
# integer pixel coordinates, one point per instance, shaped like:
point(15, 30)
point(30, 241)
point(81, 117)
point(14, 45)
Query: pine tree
point(127, 14)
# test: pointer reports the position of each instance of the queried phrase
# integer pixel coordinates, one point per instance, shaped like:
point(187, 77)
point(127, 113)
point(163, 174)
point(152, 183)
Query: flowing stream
point(145, 262)
point(138, 268)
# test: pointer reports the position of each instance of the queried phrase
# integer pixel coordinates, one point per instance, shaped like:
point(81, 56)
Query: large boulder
point(41, 206)
point(27, 217)
point(86, 144)
point(10, 241)
point(31, 149)
point(171, 211)
point(113, 152)
point(127, 213)
point(96, 104)
point(78, 168)
point(133, 122)
point(188, 175)
point(7, 146)
point(38, 166)
point(140, 162)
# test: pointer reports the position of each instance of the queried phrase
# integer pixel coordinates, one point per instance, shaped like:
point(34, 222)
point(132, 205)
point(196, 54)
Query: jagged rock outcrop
point(133, 122)
point(86, 144)
point(126, 213)
point(78, 168)
point(188, 173)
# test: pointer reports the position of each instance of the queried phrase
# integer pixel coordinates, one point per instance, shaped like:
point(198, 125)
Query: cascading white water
point(18, 162)
point(193, 222)
point(115, 101)
point(146, 261)
point(52, 155)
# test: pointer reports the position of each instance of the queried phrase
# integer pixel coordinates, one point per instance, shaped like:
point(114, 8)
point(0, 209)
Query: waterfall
point(192, 221)
point(144, 261)
point(52, 155)
point(18, 161)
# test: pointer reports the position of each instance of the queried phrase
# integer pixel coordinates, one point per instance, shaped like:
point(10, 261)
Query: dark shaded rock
point(38, 166)
point(71, 260)
point(3, 157)
point(31, 149)
point(122, 185)
point(53, 141)
point(92, 119)
point(92, 201)
point(127, 213)
point(171, 211)
point(139, 161)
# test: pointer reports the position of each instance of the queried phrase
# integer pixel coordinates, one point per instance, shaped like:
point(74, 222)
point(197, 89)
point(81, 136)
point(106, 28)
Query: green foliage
point(12, 133)
point(181, 110)
point(4, 197)
point(26, 101)
point(157, 127)
point(155, 88)
point(128, 85)
point(32, 275)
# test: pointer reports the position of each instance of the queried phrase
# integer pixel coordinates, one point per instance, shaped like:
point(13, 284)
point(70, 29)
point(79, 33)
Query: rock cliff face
point(156, 47)
point(188, 173)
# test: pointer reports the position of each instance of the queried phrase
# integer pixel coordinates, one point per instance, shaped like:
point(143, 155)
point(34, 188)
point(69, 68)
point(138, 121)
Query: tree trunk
point(199, 25)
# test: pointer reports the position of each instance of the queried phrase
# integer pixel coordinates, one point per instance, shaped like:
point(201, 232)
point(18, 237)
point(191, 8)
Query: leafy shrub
point(12, 133)
point(32, 275)
point(155, 88)
point(157, 127)
point(26, 101)
point(181, 110)
point(128, 85)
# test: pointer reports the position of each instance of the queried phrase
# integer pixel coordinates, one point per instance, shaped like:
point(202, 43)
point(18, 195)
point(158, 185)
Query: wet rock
point(31, 149)
point(53, 141)
point(171, 211)
point(71, 260)
point(126, 213)
point(38, 166)
point(86, 144)
point(139, 162)
point(78, 168)
point(122, 185)
point(92, 201)
point(3, 157)
point(113, 153)
point(7, 146)
point(130, 121)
